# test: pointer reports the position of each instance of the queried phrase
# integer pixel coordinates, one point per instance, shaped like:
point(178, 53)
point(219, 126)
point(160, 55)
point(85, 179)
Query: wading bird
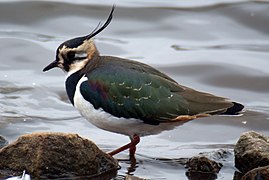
point(129, 97)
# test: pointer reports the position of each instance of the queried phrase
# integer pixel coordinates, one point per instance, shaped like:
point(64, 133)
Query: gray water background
point(218, 46)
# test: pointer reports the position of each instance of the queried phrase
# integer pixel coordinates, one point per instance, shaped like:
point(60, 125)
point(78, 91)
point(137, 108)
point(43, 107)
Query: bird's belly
point(106, 121)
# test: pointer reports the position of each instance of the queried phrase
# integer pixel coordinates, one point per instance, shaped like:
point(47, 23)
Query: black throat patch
point(71, 83)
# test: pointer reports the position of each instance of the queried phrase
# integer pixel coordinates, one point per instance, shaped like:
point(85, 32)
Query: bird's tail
point(235, 109)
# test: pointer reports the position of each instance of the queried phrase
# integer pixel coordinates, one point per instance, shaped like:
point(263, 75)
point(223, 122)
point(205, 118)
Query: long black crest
point(97, 30)
point(75, 42)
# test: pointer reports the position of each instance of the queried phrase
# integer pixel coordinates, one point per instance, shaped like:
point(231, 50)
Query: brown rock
point(201, 167)
point(199, 176)
point(203, 164)
point(55, 155)
point(257, 173)
point(251, 151)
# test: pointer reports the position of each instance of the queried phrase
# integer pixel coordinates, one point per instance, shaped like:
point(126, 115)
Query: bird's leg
point(116, 151)
point(134, 141)
point(131, 146)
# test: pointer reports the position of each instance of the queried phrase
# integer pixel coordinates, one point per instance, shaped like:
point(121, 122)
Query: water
point(219, 47)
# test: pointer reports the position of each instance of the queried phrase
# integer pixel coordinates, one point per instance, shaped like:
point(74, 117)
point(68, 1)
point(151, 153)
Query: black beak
point(50, 66)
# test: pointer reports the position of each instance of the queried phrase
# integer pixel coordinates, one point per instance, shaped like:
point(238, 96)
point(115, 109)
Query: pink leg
point(131, 146)
point(134, 141)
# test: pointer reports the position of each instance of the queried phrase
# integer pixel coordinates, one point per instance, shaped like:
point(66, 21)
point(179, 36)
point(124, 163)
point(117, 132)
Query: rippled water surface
point(217, 46)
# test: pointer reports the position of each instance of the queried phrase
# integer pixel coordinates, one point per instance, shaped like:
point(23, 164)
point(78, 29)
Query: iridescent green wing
point(133, 90)
point(130, 89)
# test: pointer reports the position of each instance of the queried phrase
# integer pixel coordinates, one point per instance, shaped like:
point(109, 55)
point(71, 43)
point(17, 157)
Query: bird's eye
point(70, 55)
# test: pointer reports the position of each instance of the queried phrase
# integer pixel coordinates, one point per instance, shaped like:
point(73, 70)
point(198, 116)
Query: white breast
point(106, 121)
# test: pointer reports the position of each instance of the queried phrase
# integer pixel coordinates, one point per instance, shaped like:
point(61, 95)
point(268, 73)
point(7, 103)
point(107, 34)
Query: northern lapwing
point(126, 96)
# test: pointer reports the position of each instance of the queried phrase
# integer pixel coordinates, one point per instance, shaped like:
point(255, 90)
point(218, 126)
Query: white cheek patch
point(76, 66)
point(81, 55)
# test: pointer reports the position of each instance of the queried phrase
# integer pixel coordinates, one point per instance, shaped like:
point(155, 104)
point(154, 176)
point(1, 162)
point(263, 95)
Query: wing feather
point(129, 89)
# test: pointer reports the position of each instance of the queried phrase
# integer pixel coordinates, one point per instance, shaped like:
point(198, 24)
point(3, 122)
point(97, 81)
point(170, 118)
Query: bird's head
point(74, 54)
